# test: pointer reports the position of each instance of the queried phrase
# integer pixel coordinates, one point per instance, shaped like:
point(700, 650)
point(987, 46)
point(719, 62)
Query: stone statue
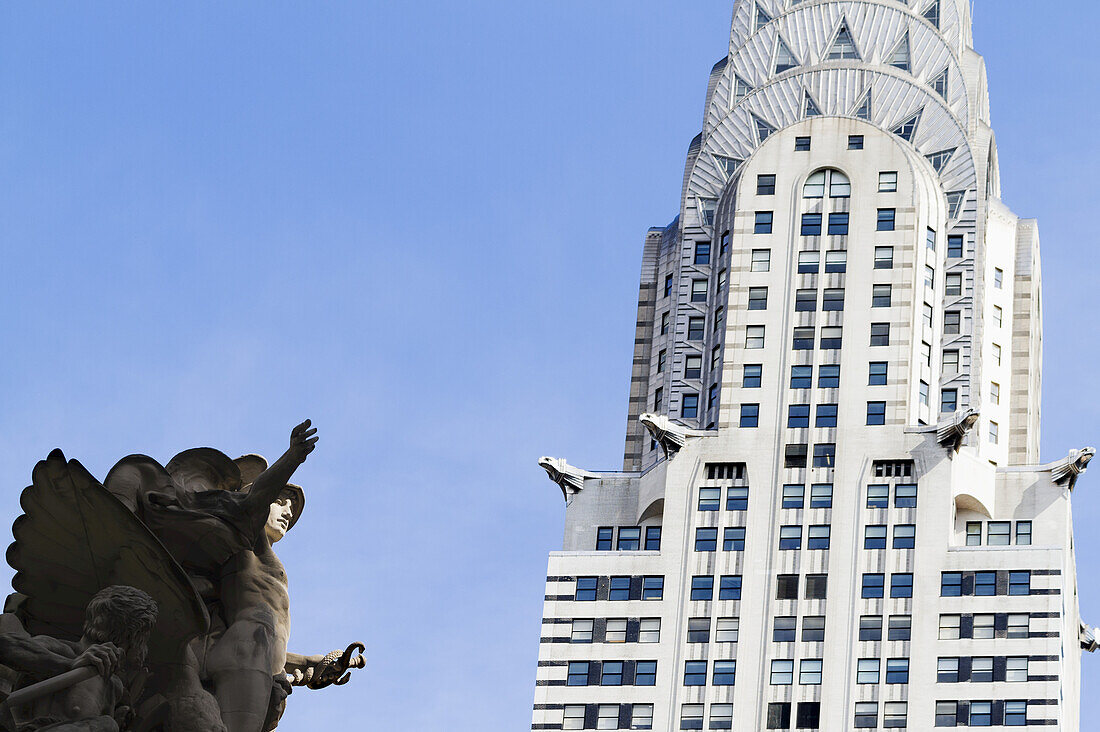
point(197, 537)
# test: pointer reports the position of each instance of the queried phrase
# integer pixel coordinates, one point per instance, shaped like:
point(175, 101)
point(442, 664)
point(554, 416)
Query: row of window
point(873, 585)
point(629, 538)
point(998, 533)
point(832, 336)
point(615, 630)
point(821, 496)
point(869, 671)
point(809, 261)
point(589, 589)
point(985, 626)
point(733, 539)
point(725, 673)
point(981, 713)
point(985, 584)
point(798, 415)
point(608, 716)
point(981, 669)
point(612, 673)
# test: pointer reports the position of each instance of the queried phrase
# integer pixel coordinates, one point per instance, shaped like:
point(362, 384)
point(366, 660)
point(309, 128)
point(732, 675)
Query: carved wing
point(75, 538)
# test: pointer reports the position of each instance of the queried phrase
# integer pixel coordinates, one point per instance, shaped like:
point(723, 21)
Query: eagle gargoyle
point(669, 435)
point(568, 477)
point(952, 431)
point(1066, 470)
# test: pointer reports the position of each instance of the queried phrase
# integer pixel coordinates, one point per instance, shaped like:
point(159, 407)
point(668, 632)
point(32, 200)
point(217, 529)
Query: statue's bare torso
point(254, 590)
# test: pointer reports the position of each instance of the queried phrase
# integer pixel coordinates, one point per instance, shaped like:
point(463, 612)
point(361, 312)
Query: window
point(838, 224)
point(995, 392)
point(790, 537)
point(828, 376)
point(951, 584)
point(702, 588)
point(985, 584)
point(884, 257)
point(833, 299)
point(586, 589)
point(954, 284)
point(794, 456)
point(690, 408)
point(698, 630)
point(653, 538)
point(607, 716)
point(901, 627)
point(929, 277)
point(668, 285)
point(880, 334)
point(649, 630)
point(802, 377)
point(726, 630)
point(758, 298)
point(831, 337)
point(926, 353)
point(809, 262)
point(897, 671)
point(874, 537)
point(752, 375)
point(653, 588)
point(954, 246)
point(1019, 583)
point(855, 142)
point(798, 416)
point(793, 495)
point(946, 713)
point(950, 362)
point(867, 671)
point(818, 537)
point(811, 225)
point(720, 283)
point(981, 669)
point(1000, 533)
point(888, 182)
point(721, 715)
point(984, 627)
point(809, 672)
point(886, 219)
point(949, 401)
point(929, 315)
point(706, 539)
point(750, 415)
point(950, 627)
point(878, 496)
point(664, 323)
point(696, 329)
point(779, 715)
point(645, 673)
point(691, 716)
point(901, 585)
point(825, 455)
point(801, 144)
point(813, 629)
point(1018, 626)
point(826, 415)
point(1016, 669)
point(1023, 533)
point(973, 533)
point(702, 252)
point(611, 674)
point(905, 495)
point(698, 290)
point(894, 714)
point(866, 715)
point(836, 261)
point(763, 222)
point(765, 185)
point(641, 716)
point(578, 674)
point(1015, 713)
point(998, 315)
point(905, 536)
point(805, 300)
point(786, 587)
point(994, 433)
point(930, 239)
point(729, 587)
point(754, 336)
point(816, 586)
point(574, 717)
point(733, 539)
point(782, 672)
point(821, 495)
point(870, 628)
point(737, 499)
point(761, 260)
point(620, 588)
point(923, 393)
point(952, 322)
point(582, 631)
point(630, 539)
point(873, 585)
point(880, 296)
point(695, 673)
point(603, 538)
point(693, 367)
point(662, 361)
point(876, 373)
point(876, 413)
point(996, 354)
point(709, 499)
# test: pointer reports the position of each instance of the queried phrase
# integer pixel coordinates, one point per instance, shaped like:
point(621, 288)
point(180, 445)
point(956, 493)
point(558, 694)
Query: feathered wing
point(76, 538)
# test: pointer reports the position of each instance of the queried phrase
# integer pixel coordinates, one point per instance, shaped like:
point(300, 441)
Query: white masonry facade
point(831, 514)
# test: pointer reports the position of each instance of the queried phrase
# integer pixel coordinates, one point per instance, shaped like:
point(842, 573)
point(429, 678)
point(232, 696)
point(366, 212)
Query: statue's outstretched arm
point(331, 669)
point(267, 486)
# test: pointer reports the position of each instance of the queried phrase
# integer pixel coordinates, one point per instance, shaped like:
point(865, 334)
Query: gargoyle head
point(1083, 456)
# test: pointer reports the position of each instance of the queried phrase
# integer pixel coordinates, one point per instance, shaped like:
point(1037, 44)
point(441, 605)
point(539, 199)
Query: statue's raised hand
point(103, 657)
point(303, 439)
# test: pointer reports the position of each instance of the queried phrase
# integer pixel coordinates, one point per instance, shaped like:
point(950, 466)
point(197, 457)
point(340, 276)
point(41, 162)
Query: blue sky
point(420, 225)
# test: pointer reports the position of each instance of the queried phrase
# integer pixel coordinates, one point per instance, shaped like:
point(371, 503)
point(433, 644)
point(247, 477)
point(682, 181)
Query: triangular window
point(932, 13)
point(727, 165)
point(954, 203)
point(762, 18)
point(939, 84)
point(844, 46)
point(763, 129)
point(784, 59)
point(900, 55)
point(812, 110)
point(707, 207)
point(863, 111)
point(939, 159)
point(907, 130)
point(741, 89)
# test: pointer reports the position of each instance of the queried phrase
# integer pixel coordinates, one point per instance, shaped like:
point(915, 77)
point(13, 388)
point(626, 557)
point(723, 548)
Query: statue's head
point(124, 616)
point(284, 512)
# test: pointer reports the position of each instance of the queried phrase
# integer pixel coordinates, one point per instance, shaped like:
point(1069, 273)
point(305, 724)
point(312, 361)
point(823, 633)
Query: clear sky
point(420, 225)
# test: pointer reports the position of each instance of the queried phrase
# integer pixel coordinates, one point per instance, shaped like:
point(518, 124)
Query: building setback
point(831, 514)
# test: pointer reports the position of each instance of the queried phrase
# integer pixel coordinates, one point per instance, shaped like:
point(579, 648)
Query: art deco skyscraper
point(831, 514)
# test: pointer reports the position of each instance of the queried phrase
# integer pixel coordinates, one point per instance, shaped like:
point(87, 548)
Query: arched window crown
point(834, 181)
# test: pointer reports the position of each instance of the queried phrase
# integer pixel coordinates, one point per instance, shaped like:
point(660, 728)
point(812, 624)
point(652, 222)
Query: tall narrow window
point(702, 252)
point(761, 260)
point(763, 223)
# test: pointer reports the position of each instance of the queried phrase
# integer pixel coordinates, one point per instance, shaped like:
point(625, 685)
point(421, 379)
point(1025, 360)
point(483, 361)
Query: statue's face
point(278, 519)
